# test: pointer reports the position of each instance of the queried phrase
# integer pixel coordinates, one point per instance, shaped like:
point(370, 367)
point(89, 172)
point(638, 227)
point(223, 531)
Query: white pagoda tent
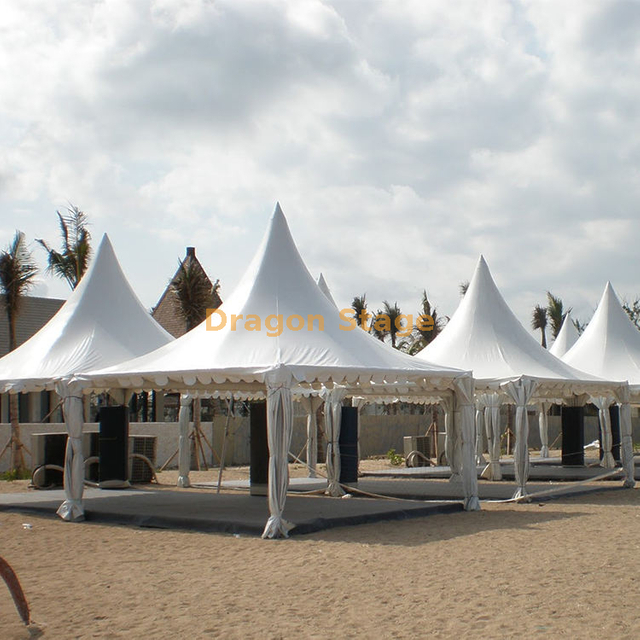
point(566, 338)
point(278, 337)
point(101, 323)
point(610, 347)
point(508, 365)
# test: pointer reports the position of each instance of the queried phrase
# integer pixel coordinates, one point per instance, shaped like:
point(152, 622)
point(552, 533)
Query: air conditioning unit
point(49, 449)
point(423, 445)
point(139, 470)
point(91, 449)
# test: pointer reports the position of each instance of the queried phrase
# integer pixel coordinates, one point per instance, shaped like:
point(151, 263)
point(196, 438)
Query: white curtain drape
point(480, 459)
point(279, 430)
point(626, 437)
point(603, 403)
point(332, 417)
point(521, 391)
point(452, 440)
point(492, 403)
point(358, 403)
point(184, 448)
point(310, 405)
point(72, 509)
point(465, 412)
point(543, 426)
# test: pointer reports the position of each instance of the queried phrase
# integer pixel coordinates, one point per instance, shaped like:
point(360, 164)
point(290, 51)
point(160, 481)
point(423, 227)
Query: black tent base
point(226, 513)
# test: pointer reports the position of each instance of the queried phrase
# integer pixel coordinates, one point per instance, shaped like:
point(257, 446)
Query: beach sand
point(566, 567)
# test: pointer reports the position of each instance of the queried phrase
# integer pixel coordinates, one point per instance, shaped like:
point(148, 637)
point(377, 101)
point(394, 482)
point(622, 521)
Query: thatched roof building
point(167, 311)
point(35, 312)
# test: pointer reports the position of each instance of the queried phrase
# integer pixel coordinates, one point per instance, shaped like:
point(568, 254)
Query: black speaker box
point(573, 436)
point(614, 412)
point(348, 442)
point(114, 443)
point(259, 448)
point(55, 445)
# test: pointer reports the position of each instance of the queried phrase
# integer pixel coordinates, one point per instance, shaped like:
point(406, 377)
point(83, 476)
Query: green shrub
point(394, 458)
point(14, 474)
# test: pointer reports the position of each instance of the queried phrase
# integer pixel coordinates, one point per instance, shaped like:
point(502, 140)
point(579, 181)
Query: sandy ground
point(567, 567)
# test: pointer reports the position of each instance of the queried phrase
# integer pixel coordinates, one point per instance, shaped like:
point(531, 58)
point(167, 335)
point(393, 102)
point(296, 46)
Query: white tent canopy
point(277, 334)
point(566, 338)
point(485, 336)
point(610, 345)
point(324, 287)
point(101, 323)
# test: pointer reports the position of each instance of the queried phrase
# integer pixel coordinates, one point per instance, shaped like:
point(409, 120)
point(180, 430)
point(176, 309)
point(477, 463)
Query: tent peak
point(609, 347)
point(324, 287)
point(106, 240)
point(566, 338)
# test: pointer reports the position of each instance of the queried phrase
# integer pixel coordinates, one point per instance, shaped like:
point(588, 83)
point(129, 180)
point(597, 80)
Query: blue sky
point(401, 138)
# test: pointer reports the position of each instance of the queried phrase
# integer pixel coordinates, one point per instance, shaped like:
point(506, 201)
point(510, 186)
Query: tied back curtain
point(279, 430)
point(358, 403)
point(332, 418)
point(521, 392)
point(543, 426)
point(311, 405)
point(465, 411)
point(452, 440)
point(626, 438)
point(492, 404)
point(184, 450)
point(603, 403)
point(480, 459)
point(72, 509)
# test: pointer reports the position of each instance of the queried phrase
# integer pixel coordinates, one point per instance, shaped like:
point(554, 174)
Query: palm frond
point(359, 305)
point(17, 274)
point(72, 261)
point(555, 313)
point(539, 321)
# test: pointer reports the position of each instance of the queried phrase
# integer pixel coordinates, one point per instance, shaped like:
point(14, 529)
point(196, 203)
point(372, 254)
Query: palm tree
point(464, 287)
point(376, 329)
point(539, 321)
point(438, 322)
point(17, 273)
point(72, 260)
point(195, 292)
point(392, 312)
point(580, 326)
point(359, 305)
point(556, 313)
point(633, 311)
point(420, 338)
point(195, 295)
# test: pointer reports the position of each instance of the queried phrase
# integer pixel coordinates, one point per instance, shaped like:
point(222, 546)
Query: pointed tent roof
point(566, 338)
point(101, 323)
point(276, 284)
point(324, 287)
point(610, 345)
point(485, 336)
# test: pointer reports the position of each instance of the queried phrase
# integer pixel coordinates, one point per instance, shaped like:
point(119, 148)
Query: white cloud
point(402, 139)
